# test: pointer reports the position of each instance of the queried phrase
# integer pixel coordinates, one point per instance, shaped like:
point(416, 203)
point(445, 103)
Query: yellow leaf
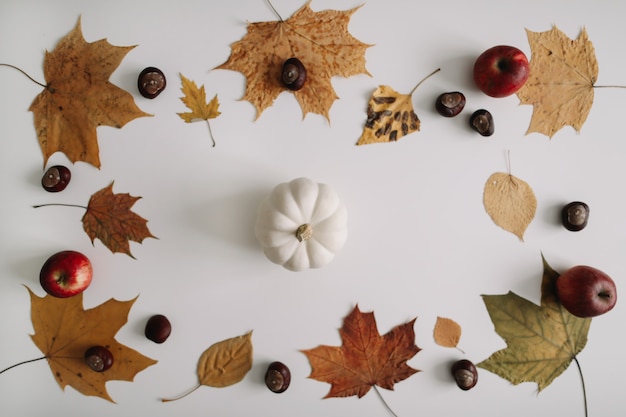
point(390, 116)
point(447, 332)
point(195, 99)
point(227, 362)
point(510, 202)
point(562, 77)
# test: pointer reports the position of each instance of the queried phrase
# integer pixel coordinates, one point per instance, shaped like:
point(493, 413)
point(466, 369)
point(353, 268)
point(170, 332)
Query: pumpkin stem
point(304, 232)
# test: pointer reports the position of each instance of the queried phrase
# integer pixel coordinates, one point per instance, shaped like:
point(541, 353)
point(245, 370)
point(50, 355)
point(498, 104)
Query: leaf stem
point(582, 380)
point(22, 363)
point(424, 79)
point(166, 400)
point(609, 86)
point(60, 204)
point(210, 132)
point(27, 76)
point(384, 402)
point(274, 10)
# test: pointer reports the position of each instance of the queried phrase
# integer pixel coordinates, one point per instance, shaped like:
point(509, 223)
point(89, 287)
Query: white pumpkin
point(301, 224)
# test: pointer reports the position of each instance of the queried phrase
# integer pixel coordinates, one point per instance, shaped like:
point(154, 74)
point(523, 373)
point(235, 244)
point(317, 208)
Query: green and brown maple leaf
point(365, 358)
point(64, 330)
point(79, 97)
point(320, 40)
point(542, 340)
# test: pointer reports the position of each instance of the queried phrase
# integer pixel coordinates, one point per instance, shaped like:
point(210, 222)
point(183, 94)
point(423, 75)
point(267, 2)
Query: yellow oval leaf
point(510, 202)
point(227, 362)
point(447, 332)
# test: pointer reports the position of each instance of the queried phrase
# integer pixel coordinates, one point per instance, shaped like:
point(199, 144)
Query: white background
point(420, 242)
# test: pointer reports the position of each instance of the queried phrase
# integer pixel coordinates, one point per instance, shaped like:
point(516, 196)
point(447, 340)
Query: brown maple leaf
point(561, 83)
point(79, 97)
point(64, 330)
point(320, 40)
point(110, 219)
point(365, 358)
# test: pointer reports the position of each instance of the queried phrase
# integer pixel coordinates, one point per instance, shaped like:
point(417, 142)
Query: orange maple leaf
point(320, 40)
point(110, 219)
point(365, 358)
point(79, 97)
point(64, 330)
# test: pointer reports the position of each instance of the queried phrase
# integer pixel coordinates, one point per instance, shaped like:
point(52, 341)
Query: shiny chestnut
point(151, 82)
point(277, 377)
point(293, 75)
point(99, 358)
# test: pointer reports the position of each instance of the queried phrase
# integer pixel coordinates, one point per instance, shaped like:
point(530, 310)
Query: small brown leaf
point(110, 219)
point(510, 202)
point(227, 362)
point(447, 332)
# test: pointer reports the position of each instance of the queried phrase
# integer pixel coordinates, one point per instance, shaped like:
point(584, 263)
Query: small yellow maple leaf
point(195, 99)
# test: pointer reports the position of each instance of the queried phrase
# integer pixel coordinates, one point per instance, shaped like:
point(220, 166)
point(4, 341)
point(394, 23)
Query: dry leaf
point(224, 363)
point(390, 116)
point(320, 40)
point(510, 202)
point(79, 97)
point(447, 332)
point(195, 99)
point(541, 340)
point(109, 218)
point(365, 358)
point(562, 77)
point(64, 331)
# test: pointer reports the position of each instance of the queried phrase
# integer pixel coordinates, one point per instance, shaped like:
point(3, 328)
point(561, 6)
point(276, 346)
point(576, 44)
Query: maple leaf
point(320, 40)
point(542, 340)
point(109, 218)
point(561, 83)
point(223, 364)
point(510, 202)
point(79, 97)
point(64, 330)
point(365, 358)
point(195, 99)
point(390, 115)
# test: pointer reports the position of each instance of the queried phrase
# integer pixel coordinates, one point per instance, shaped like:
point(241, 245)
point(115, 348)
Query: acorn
point(99, 358)
point(465, 374)
point(277, 377)
point(293, 75)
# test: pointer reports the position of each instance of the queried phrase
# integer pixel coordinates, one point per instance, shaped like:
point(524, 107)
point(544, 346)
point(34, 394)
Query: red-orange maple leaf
point(365, 358)
point(110, 219)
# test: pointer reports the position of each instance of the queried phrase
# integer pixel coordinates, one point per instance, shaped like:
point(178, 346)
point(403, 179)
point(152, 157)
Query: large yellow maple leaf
point(64, 330)
point(561, 83)
point(79, 97)
point(320, 40)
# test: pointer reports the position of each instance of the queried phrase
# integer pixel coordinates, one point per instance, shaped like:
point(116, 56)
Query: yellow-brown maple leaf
point(79, 97)
point(195, 99)
point(561, 83)
point(365, 358)
point(64, 330)
point(109, 218)
point(320, 40)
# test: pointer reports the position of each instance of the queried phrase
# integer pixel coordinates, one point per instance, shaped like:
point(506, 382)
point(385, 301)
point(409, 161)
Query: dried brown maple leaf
point(542, 340)
point(64, 330)
point(320, 40)
point(79, 97)
point(365, 358)
point(110, 219)
point(561, 83)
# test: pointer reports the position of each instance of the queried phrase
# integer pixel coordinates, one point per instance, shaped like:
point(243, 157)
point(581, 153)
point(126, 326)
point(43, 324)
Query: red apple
point(501, 71)
point(585, 291)
point(66, 273)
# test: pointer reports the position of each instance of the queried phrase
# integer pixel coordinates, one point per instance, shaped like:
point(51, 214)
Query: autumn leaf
point(447, 332)
point(109, 218)
point(390, 115)
point(64, 331)
point(561, 83)
point(542, 340)
point(366, 358)
point(79, 97)
point(223, 364)
point(195, 99)
point(510, 202)
point(320, 40)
